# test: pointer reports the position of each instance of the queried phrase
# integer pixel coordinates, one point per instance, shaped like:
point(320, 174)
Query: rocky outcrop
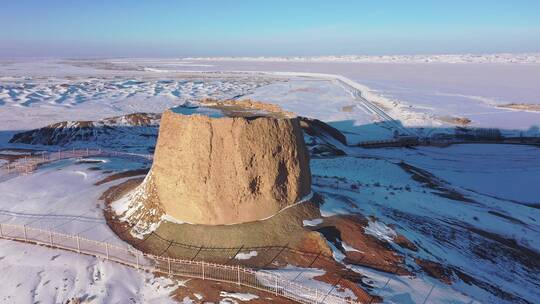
point(133, 131)
point(322, 139)
point(229, 170)
point(317, 128)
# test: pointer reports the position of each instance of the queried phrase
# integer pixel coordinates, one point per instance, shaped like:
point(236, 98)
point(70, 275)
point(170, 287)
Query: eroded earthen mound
point(228, 170)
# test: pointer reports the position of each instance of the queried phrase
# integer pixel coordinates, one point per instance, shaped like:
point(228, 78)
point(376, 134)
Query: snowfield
point(434, 91)
point(473, 233)
point(419, 95)
point(448, 58)
point(90, 98)
point(472, 208)
point(36, 274)
point(61, 196)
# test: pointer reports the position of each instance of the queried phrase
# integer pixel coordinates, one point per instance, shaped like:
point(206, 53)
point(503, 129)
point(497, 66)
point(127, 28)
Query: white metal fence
point(257, 279)
point(27, 164)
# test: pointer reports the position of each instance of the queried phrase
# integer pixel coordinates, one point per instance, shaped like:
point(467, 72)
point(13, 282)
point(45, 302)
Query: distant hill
point(134, 132)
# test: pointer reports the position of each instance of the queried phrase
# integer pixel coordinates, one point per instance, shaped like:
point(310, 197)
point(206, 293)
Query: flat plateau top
point(232, 108)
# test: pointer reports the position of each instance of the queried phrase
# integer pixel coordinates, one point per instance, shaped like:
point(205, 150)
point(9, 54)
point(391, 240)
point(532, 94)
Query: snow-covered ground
point(305, 277)
point(413, 94)
point(490, 233)
point(471, 207)
point(61, 196)
point(507, 172)
point(36, 274)
point(447, 58)
point(440, 89)
point(32, 102)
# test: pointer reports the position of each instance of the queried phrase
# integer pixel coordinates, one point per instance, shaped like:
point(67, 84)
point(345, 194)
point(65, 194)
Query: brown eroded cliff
point(228, 170)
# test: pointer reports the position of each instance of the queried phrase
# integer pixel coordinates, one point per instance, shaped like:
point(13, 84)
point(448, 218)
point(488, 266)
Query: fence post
point(78, 244)
point(107, 250)
point(1, 232)
point(317, 295)
point(51, 238)
point(275, 277)
point(238, 282)
point(137, 258)
point(169, 264)
point(202, 270)
point(25, 236)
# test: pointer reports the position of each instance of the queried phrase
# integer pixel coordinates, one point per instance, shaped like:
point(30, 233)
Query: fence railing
point(257, 279)
point(27, 164)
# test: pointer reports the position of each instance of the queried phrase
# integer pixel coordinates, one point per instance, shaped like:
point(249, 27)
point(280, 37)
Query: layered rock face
point(228, 170)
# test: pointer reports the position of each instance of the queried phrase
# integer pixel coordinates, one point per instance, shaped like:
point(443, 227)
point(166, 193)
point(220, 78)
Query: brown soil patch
point(269, 237)
point(210, 292)
point(435, 270)
point(14, 157)
point(124, 174)
point(348, 109)
point(348, 280)
point(431, 181)
point(403, 242)
point(22, 150)
point(461, 121)
point(115, 192)
point(11, 158)
point(372, 252)
point(272, 239)
point(521, 106)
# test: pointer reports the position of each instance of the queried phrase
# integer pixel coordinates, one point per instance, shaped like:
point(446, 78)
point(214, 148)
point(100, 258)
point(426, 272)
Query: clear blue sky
point(273, 27)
